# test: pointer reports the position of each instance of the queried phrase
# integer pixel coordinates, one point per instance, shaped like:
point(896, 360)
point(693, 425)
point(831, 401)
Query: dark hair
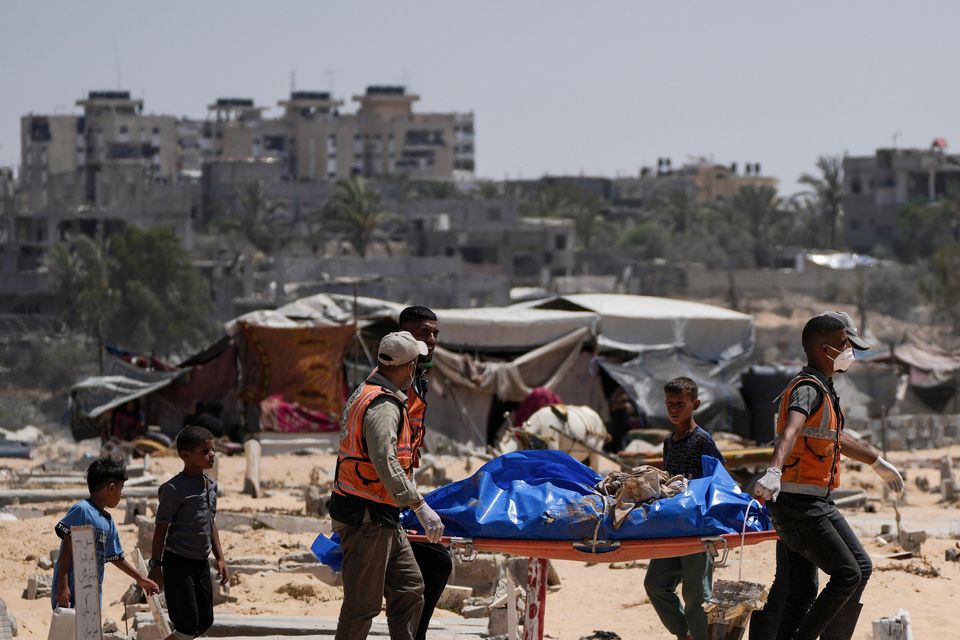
point(192, 437)
point(682, 385)
point(415, 314)
point(103, 471)
point(818, 327)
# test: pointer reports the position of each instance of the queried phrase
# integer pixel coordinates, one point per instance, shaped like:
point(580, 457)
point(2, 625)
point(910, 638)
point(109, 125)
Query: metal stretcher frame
point(539, 551)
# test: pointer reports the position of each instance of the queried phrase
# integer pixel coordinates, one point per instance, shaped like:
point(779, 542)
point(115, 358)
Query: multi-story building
point(491, 237)
point(703, 180)
point(877, 187)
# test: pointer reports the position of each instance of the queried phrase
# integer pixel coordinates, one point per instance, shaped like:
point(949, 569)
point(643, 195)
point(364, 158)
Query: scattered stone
point(923, 483)
point(133, 595)
point(911, 540)
point(145, 529)
point(317, 500)
point(37, 587)
point(601, 635)
point(453, 597)
point(110, 626)
point(481, 573)
point(45, 563)
point(114, 635)
point(896, 628)
point(952, 554)
point(131, 610)
point(474, 611)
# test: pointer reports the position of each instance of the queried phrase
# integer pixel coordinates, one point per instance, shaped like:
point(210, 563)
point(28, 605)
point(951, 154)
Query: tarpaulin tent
point(641, 323)
point(722, 408)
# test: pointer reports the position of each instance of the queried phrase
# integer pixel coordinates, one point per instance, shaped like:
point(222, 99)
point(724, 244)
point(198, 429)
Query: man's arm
point(862, 451)
point(787, 439)
point(858, 450)
point(380, 433)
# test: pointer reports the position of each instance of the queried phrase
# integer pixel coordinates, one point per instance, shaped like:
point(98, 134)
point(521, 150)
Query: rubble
point(38, 586)
point(896, 628)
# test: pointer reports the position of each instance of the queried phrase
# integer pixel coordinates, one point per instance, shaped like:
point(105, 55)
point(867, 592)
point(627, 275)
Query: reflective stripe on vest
point(355, 474)
point(813, 466)
point(416, 409)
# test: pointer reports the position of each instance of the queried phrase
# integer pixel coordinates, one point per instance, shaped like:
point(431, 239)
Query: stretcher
point(539, 551)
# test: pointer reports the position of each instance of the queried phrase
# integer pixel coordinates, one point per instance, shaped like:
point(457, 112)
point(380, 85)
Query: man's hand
point(63, 593)
point(768, 487)
point(889, 474)
point(149, 586)
point(156, 576)
point(432, 525)
point(222, 572)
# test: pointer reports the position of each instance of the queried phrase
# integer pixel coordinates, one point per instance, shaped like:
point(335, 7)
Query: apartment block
point(877, 187)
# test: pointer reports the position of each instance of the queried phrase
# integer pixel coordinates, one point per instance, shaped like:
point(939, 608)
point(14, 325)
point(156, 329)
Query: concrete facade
point(703, 181)
point(877, 187)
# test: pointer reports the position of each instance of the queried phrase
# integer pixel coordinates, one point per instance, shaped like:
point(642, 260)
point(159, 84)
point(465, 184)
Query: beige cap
point(400, 348)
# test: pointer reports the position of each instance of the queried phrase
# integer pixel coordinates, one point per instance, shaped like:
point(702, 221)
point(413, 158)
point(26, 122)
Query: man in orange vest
point(373, 481)
point(804, 469)
point(433, 559)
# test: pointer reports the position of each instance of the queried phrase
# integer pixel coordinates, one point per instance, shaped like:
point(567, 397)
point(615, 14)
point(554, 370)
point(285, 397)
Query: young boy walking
point(186, 533)
point(681, 456)
point(105, 478)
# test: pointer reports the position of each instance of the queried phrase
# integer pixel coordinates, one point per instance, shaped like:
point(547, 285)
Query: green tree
point(589, 225)
point(827, 187)
point(648, 239)
point(260, 222)
point(548, 201)
point(139, 292)
point(943, 288)
point(758, 212)
point(80, 272)
point(922, 228)
point(358, 213)
point(678, 210)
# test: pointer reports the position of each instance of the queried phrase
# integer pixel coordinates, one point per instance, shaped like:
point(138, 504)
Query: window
point(560, 243)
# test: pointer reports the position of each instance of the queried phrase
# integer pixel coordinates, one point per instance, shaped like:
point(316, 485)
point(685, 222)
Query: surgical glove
point(432, 526)
point(889, 473)
point(768, 487)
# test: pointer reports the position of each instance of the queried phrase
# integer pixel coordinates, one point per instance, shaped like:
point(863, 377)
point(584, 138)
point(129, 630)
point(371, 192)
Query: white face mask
point(843, 360)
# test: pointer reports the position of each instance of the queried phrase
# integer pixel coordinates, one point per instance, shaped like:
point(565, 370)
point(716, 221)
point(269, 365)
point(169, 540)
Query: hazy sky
point(556, 87)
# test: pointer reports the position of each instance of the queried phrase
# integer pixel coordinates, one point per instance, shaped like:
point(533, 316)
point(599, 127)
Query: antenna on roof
point(116, 64)
point(293, 81)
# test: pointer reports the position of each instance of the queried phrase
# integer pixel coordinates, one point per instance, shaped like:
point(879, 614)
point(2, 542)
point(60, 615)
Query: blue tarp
point(547, 495)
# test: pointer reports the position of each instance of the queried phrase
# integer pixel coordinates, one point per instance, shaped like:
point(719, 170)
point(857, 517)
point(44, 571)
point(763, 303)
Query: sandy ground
point(591, 597)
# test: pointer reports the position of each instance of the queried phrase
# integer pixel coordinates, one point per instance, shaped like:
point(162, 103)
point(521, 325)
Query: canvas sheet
point(303, 365)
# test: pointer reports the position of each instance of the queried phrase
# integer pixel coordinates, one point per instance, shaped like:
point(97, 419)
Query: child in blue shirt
point(105, 478)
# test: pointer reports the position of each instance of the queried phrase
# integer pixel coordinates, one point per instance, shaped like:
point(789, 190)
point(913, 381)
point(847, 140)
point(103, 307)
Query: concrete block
point(475, 611)
point(453, 597)
point(321, 572)
point(131, 610)
point(145, 529)
point(149, 632)
point(316, 501)
point(480, 574)
point(498, 622)
point(288, 524)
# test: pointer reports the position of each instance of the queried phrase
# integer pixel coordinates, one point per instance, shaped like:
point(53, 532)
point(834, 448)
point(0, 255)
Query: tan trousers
point(378, 562)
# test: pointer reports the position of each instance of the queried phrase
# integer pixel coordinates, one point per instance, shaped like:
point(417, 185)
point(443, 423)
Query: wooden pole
point(153, 601)
point(536, 599)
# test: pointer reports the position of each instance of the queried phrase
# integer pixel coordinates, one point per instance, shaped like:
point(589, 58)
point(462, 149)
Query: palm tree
point(260, 221)
point(357, 212)
point(680, 210)
point(828, 189)
point(588, 222)
point(80, 272)
point(759, 211)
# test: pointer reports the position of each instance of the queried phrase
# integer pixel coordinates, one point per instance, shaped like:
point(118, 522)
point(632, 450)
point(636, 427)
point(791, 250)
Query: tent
point(641, 323)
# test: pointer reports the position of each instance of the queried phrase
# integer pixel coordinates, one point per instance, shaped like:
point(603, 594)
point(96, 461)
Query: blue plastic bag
point(547, 495)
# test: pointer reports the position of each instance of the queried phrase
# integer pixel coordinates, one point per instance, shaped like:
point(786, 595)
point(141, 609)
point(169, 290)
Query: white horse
point(560, 426)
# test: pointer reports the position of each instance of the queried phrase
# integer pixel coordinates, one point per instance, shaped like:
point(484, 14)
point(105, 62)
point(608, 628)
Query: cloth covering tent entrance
point(463, 389)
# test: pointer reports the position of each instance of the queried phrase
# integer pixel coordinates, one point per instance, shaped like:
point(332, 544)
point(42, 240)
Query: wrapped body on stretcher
point(543, 504)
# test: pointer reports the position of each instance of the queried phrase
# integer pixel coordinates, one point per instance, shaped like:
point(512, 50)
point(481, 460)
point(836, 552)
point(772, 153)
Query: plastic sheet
point(547, 495)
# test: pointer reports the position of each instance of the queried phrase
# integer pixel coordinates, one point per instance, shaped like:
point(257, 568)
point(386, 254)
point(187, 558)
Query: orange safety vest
point(355, 474)
point(416, 409)
point(813, 466)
